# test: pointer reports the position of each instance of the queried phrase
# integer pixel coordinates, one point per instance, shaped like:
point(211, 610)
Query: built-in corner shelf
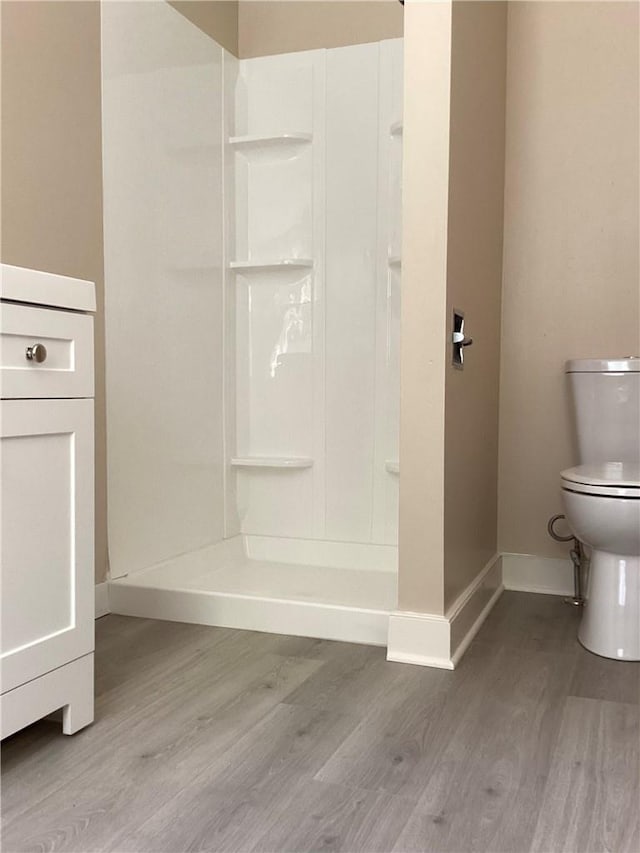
point(392, 466)
point(282, 264)
point(256, 143)
point(396, 128)
point(272, 462)
point(395, 261)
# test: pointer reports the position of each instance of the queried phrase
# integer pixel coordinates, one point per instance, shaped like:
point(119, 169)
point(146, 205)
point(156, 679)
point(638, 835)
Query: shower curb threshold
point(322, 620)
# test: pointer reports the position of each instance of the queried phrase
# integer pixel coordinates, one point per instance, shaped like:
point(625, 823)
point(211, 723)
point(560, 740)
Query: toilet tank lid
point(605, 474)
point(628, 364)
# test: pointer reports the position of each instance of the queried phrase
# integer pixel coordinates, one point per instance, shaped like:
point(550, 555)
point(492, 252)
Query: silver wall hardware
point(458, 340)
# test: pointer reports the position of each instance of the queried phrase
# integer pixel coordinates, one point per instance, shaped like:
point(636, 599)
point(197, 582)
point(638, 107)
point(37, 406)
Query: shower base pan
point(334, 591)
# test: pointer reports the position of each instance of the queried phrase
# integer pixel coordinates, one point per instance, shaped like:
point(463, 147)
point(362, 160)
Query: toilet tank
point(606, 408)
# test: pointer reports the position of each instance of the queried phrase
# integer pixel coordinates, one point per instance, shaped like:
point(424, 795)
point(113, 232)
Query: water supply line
point(577, 558)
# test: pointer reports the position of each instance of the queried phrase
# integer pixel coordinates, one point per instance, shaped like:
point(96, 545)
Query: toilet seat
point(607, 479)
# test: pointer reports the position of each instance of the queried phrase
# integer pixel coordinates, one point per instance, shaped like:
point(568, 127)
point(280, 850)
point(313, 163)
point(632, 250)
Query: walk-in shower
point(253, 266)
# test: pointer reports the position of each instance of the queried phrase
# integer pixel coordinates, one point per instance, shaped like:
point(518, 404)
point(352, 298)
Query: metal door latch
point(458, 340)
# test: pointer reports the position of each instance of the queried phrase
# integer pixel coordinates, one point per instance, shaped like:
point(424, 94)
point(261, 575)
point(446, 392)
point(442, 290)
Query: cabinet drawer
point(67, 367)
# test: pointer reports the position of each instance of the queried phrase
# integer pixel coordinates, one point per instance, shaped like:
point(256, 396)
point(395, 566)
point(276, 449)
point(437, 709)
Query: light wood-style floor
point(214, 739)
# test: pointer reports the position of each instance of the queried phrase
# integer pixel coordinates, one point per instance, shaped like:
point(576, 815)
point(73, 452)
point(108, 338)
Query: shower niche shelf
point(274, 266)
point(284, 144)
point(271, 462)
point(392, 466)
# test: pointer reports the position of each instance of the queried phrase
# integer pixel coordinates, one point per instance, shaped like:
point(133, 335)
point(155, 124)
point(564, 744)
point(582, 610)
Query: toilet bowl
point(602, 507)
point(602, 499)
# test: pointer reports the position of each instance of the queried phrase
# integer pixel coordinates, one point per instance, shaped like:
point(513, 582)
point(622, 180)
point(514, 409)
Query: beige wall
point(217, 18)
point(269, 26)
point(571, 278)
point(474, 284)
point(427, 58)
point(51, 197)
point(452, 255)
point(266, 27)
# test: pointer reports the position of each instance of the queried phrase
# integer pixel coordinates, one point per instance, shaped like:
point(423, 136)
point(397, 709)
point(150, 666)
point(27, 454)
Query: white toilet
point(601, 499)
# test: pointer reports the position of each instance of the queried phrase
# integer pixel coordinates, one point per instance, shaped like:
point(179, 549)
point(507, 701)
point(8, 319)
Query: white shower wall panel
point(275, 94)
point(279, 167)
point(230, 74)
point(316, 348)
point(276, 341)
point(351, 242)
point(279, 206)
point(163, 227)
point(275, 356)
point(387, 409)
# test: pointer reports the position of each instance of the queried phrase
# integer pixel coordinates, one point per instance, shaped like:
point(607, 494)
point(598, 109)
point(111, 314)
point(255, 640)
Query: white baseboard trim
point(102, 600)
point(429, 639)
point(419, 638)
point(528, 573)
point(469, 611)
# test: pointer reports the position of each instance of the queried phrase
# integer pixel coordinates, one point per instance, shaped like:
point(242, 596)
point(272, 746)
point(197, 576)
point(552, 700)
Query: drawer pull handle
point(37, 353)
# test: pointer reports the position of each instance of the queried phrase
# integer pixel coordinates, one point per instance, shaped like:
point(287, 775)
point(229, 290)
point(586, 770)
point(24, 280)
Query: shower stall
point(252, 278)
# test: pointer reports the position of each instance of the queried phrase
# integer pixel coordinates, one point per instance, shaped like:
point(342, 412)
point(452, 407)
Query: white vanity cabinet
point(47, 499)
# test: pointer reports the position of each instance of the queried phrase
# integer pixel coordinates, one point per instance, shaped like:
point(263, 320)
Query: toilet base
point(610, 624)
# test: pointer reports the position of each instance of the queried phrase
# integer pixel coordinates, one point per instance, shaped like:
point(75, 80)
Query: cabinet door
point(47, 576)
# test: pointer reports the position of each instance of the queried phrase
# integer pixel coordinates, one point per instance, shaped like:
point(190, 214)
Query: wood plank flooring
point(210, 739)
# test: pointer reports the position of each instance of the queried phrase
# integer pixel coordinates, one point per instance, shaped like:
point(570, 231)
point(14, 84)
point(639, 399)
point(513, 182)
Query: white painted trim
point(472, 607)
point(465, 641)
point(272, 615)
point(102, 600)
point(429, 639)
point(419, 638)
point(528, 573)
